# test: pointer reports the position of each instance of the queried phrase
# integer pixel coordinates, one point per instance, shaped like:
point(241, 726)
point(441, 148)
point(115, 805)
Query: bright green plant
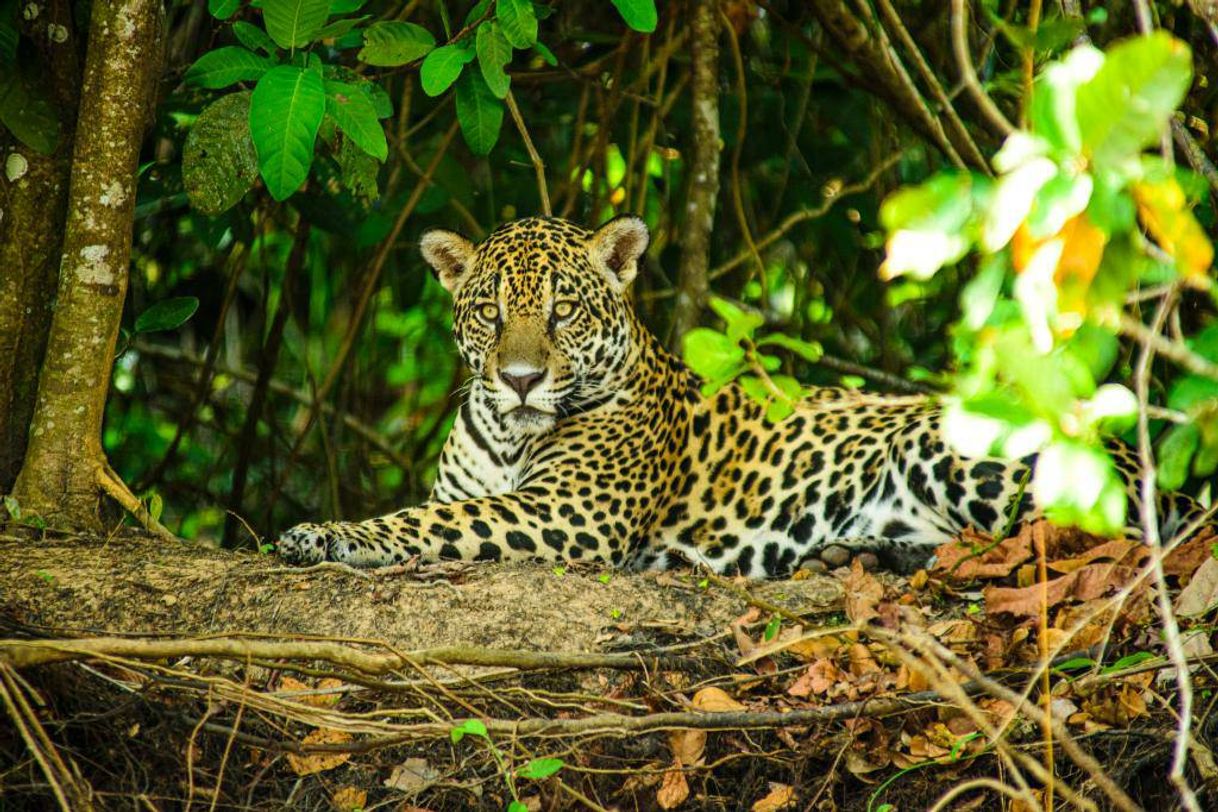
point(1077, 218)
point(536, 770)
point(734, 354)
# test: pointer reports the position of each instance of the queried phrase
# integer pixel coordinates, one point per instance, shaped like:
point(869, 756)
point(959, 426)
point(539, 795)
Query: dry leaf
point(780, 796)
point(320, 762)
point(818, 679)
point(1089, 582)
point(715, 700)
point(960, 561)
point(347, 799)
point(306, 696)
point(412, 775)
point(1201, 592)
point(863, 594)
point(862, 661)
point(687, 746)
point(674, 789)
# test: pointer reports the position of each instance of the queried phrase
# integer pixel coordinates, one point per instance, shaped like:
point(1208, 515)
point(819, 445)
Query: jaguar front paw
point(305, 544)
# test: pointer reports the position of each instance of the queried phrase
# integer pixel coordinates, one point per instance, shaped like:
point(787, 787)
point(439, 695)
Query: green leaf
point(253, 37)
point(359, 171)
point(480, 113)
point(771, 628)
point(13, 507)
point(352, 108)
point(219, 164)
point(222, 9)
point(494, 53)
point(28, 113)
point(739, 323)
point(471, 727)
point(540, 768)
point(518, 21)
point(155, 506)
point(1051, 112)
point(928, 225)
point(810, 351)
point(477, 11)
point(638, 14)
point(712, 355)
point(285, 114)
point(545, 53)
point(292, 23)
point(1063, 197)
point(1128, 661)
point(1175, 455)
point(442, 67)
point(1192, 391)
point(1124, 107)
point(338, 7)
point(518, 806)
point(169, 314)
point(392, 43)
point(227, 66)
point(1078, 485)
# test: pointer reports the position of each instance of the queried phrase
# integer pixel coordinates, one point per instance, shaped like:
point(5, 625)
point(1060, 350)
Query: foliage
point(536, 769)
point(1076, 219)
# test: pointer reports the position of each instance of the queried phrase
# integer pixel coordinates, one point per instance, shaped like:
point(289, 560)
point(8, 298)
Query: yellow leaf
point(713, 700)
point(347, 799)
point(780, 796)
point(1164, 212)
point(674, 789)
point(320, 762)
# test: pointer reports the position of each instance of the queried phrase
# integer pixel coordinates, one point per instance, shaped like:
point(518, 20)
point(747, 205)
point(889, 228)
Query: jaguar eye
point(563, 310)
point(488, 312)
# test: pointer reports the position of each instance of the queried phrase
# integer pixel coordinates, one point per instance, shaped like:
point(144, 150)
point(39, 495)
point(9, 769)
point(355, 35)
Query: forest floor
point(139, 674)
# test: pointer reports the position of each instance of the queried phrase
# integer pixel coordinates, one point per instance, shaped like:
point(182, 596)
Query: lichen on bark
point(64, 461)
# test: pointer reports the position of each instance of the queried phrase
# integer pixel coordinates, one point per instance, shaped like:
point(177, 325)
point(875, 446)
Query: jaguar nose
point(522, 380)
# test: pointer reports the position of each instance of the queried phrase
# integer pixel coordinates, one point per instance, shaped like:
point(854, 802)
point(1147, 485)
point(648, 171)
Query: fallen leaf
point(1185, 559)
point(412, 775)
point(818, 679)
point(306, 694)
point(1202, 591)
point(780, 796)
point(687, 746)
point(1087, 583)
point(674, 789)
point(862, 661)
point(320, 762)
point(962, 559)
point(863, 594)
point(347, 799)
point(715, 700)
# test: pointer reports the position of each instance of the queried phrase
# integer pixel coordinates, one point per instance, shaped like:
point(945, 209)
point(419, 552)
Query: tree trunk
point(64, 463)
point(703, 188)
point(33, 207)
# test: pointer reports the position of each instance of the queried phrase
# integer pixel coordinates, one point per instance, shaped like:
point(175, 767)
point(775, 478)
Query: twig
point(1193, 153)
point(1171, 350)
point(25, 653)
point(894, 382)
point(742, 128)
point(112, 484)
point(539, 166)
point(1150, 536)
point(968, 75)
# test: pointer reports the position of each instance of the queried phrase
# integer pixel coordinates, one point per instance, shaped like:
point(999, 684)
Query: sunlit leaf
point(808, 350)
point(1163, 210)
point(1078, 485)
point(712, 355)
point(1012, 201)
point(1051, 111)
point(352, 108)
point(442, 67)
point(540, 768)
point(1124, 107)
point(739, 323)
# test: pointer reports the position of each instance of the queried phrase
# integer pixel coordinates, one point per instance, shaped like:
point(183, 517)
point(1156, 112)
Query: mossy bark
point(33, 207)
point(703, 190)
point(64, 462)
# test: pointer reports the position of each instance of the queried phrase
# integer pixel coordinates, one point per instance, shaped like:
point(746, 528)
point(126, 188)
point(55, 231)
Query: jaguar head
point(540, 312)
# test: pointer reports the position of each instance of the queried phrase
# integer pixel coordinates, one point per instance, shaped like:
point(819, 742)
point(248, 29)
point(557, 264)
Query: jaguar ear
point(619, 244)
point(450, 256)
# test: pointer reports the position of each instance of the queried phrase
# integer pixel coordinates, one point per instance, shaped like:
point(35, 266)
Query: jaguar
point(583, 438)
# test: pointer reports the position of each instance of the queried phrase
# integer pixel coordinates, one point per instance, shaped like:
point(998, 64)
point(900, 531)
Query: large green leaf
point(1124, 107)
point(713, 355)
point(442, 67)
point(480, 113)
point(638, 14)
point(393, 43)
point(292, 23)
point(352, 108)
point(219, 164)
point(227, 66)
point(285, 114)
point(494, 53)
point(518, 21)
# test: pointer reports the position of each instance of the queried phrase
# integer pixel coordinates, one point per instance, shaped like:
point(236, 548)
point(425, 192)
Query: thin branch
point(968, 75)
point(539, 166)
point(1150, 536)
point(1171, 350)
point(113, 485)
